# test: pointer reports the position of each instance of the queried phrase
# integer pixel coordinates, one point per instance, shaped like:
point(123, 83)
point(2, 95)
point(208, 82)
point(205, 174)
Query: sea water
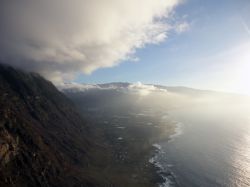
point(211, 148)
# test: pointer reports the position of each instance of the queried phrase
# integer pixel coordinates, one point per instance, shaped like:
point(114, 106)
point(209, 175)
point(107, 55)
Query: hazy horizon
point(76, 84)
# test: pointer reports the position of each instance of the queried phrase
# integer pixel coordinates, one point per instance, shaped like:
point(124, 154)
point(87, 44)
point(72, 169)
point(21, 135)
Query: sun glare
point(237, 70)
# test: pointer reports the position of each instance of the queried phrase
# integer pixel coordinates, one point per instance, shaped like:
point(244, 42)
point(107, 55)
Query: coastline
point(167, 176)
point(165, 131)
point(130, 143)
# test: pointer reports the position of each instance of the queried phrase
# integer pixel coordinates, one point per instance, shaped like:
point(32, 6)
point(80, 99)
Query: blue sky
point(211, 54)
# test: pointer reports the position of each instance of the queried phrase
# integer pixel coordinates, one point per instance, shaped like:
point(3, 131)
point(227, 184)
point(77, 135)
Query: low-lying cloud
point(144, 89)
point(132, 88)
point(60, 38)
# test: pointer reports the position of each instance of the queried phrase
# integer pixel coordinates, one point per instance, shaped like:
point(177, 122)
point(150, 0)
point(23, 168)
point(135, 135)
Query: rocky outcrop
point(43, 140)
point(8, 146)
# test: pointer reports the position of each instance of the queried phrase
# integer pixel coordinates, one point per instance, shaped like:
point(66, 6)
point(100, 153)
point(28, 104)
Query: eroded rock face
point(8, 146)
point(43, 140)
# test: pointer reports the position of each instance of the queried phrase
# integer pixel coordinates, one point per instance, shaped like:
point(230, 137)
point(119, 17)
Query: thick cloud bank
point(59, 38)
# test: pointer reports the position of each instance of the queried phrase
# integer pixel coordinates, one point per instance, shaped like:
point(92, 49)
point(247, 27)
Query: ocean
point(211, 143)
point(211, 147)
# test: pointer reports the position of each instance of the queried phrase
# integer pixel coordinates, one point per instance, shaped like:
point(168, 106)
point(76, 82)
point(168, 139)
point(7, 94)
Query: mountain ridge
point(43, 139)
point(67, 87)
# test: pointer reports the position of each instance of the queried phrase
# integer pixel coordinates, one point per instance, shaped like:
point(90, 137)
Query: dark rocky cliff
point(43, 140)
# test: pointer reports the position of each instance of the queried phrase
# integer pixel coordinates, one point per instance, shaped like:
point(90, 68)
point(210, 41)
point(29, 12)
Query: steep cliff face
point(43, 140)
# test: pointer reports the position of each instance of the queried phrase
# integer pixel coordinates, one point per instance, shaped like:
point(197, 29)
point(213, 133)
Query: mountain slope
point(43, 141)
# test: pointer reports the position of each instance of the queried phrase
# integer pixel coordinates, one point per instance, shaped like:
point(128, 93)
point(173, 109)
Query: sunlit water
point(212, 150)
point(211, 147)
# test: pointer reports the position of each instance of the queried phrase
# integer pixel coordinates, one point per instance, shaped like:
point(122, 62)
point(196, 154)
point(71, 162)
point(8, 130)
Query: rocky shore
point(129, 139)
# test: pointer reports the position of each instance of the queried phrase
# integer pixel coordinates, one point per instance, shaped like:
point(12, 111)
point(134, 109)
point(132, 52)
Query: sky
point(194, 43)
point(213, 53)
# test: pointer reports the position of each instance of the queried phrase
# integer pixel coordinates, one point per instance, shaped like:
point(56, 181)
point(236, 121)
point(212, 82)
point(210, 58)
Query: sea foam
point(154, 160)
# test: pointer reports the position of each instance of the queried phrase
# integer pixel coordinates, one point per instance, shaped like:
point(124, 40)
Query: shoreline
point(130, 142)
point(167, 176)
point(148, 145)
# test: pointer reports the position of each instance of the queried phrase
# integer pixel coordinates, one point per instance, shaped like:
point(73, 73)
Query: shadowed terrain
point(44, 141)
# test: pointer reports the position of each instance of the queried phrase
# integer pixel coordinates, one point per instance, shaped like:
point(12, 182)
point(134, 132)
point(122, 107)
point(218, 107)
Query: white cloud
point(77, 87)
point(60, 37)
point(144, 89)
point(182, 27)
point(134, 88)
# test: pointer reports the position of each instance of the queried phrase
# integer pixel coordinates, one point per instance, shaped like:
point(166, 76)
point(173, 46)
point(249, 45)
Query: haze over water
point(214, 148)
point(211, 143)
